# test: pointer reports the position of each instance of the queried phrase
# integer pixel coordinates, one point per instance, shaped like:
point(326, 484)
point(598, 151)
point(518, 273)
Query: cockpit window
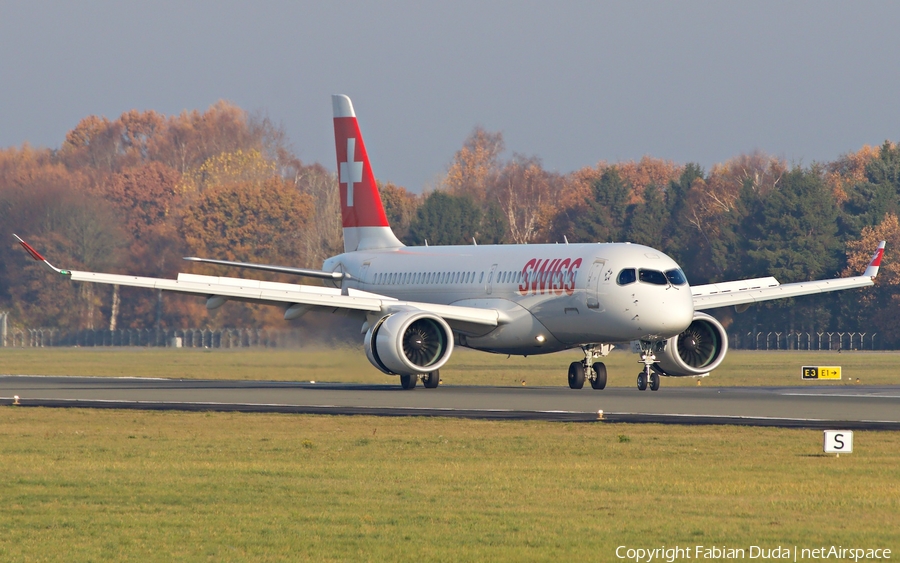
point(626, 277)
point(676, 277)
point(652, 276)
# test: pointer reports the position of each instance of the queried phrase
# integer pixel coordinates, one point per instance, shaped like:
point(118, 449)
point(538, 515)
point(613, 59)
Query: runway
point(840, 407)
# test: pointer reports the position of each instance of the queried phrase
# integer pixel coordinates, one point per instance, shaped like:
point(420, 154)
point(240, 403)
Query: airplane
point(416, 303)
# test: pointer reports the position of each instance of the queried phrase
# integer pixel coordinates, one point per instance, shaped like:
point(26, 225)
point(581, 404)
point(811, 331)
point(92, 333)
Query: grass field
point(466, 367)
point(82, 485)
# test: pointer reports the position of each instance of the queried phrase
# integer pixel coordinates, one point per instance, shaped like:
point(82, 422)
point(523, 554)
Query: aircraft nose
point(677, 314)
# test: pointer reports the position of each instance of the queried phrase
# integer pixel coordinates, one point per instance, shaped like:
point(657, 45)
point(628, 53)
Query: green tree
point(791, 233)
point(446, 219)
point(648, 221)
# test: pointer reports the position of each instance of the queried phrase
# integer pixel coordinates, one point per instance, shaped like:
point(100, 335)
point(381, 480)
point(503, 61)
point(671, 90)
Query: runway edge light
point(838, 442)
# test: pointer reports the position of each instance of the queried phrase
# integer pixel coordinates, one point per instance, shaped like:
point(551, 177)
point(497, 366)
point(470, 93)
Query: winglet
point(37, 256)
point(872, 270)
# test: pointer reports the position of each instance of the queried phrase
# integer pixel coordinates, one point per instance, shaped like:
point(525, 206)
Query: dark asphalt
point(841, 407)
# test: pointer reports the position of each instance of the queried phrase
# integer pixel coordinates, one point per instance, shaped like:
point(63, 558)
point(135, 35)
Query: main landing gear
point(588, 369)
point(430, 380)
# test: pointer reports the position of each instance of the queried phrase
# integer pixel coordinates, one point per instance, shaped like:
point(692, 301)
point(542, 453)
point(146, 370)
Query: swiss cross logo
point(351, 171)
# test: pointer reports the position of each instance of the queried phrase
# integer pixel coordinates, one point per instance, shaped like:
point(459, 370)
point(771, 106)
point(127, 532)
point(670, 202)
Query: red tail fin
point(364, 220)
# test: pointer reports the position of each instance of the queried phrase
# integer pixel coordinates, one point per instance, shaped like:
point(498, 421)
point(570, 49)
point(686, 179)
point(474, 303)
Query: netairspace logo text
point(753, 552)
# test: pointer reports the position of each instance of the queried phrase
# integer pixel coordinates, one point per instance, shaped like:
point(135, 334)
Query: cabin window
point(676, 277)
point(654, 277)
point(626, 276)
point(481, 278)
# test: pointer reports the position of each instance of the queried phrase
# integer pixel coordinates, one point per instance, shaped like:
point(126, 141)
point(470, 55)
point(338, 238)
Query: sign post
point(838, 442)
point(820, 372)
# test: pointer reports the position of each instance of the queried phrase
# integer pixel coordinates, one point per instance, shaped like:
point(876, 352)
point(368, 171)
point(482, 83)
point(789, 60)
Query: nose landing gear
point(647, 377)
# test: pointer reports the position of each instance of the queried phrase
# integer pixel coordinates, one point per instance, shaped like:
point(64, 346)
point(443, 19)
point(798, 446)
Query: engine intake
point(696, 351)
point(409, 343)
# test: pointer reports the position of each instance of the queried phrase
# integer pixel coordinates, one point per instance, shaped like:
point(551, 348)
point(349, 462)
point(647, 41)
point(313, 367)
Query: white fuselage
point(558, 296)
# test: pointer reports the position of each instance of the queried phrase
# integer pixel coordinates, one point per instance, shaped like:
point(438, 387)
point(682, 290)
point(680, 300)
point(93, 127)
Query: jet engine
point(409, 343)
point(696, 351)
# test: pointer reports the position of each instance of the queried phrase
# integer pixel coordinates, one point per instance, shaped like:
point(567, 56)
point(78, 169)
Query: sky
point(573, 83)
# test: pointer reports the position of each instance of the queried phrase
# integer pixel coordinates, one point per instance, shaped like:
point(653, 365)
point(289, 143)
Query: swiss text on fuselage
point(549, 276)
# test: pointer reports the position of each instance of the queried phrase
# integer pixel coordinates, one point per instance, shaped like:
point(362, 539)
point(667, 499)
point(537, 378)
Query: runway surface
point(840, 407)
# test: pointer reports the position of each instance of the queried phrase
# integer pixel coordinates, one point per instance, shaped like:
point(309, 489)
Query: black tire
point(576, 375)
point(432, 379)
point(654, 381)
point(642, 381)
point(408, 381)
point(599, 379)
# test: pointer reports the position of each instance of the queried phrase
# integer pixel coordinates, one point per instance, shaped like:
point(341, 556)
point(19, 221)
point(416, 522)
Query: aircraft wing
point(220, 289)
point(763, 289)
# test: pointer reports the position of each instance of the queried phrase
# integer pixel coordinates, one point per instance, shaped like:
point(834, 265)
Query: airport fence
point(793, 340)
point(287, 338)
point(172, 338)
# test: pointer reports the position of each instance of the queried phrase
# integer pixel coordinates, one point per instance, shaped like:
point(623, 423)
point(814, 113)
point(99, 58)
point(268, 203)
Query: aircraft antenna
point(473, 241)
point(565, 238)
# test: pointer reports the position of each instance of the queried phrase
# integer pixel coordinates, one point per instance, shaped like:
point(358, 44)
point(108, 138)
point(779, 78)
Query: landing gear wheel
point(642, 381)
point(432, 379)
point(654, 381)
point(599, 379)
point(576, 375)
point(408, 381)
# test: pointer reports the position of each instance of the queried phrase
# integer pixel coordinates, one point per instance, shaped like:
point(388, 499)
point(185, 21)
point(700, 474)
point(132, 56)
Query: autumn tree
point(234, 167)
point(600, 219)
point(248, 222)
point(648, 171)
point(475, 164)
point(400, 206)
point(871, 193)
point(874, 309)
point(324, 233)
point(524, 192)
point(149, 203)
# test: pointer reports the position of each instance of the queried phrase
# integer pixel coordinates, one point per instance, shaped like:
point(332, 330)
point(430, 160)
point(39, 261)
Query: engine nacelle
point(696, 351)
point(409, 343)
